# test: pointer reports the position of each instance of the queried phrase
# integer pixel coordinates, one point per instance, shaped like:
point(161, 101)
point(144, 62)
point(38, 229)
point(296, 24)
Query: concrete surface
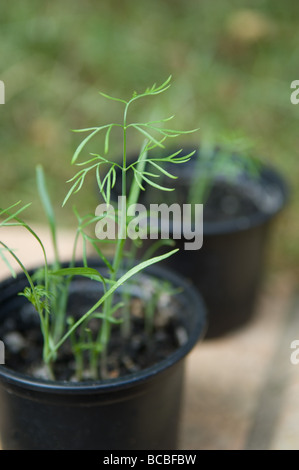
point(242, 391)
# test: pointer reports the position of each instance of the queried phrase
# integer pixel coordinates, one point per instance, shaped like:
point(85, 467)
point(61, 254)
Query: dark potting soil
point(228, 201)
point(23, 341)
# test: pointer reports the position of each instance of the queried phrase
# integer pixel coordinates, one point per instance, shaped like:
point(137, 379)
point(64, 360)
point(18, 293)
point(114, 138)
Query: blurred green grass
point(232, 65)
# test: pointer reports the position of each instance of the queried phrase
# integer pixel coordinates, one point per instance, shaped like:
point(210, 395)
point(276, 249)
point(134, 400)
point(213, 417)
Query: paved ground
point(242, 391)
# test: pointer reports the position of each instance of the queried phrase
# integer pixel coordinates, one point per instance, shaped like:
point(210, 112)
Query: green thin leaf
point(13, 215)
point(174, 159)
point(87, 129)
point(147, 173)
point(166, 173)
point(69, 193)
point(157, 186)
point(140, 166)
point(98, 178)
point(165, 132)
point(154, 90)
point(148, 136)
point(106, 146)
point(75, 188)
point(83, 143)
point(170, 132)
point(47, 205)
point(161, 120)
point(112, 98)
point(111, 319)
point(80, 271)
point(97, 157)
point(138, 179)
point(113, 177)
point(76, 176)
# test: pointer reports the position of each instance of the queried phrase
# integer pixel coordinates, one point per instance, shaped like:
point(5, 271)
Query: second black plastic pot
point(228, 268)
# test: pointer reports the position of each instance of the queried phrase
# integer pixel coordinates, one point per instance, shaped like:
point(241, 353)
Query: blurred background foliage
point(232, 63)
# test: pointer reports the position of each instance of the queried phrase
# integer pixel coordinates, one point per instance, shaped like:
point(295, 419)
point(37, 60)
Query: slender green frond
point(12, 216)
point(147, 173)
point(80, 271)
point(148, 136)
point(107, 136)
point(70, 192)
point(112, 98)
point(97, 159)
point(157, 186)
point(87, 129)
point(161, 120)
point(160, 168)
point(84, 142)
point(47, 205)
point(138, 179)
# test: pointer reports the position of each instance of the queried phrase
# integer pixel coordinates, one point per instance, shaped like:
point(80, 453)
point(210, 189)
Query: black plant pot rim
point(24, 381)
point(260, 217)
point(243, 223)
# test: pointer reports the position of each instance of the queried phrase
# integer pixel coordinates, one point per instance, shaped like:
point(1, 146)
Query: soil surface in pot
point(22, 337)
point(226, 202)
point(230, 201)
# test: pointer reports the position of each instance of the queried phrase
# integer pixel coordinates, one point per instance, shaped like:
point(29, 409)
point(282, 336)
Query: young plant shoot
point(48, 288)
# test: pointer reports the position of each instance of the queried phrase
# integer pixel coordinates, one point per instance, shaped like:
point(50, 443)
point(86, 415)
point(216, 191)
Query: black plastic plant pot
point(227, 271)
point(228, 268)
point(137, 411)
